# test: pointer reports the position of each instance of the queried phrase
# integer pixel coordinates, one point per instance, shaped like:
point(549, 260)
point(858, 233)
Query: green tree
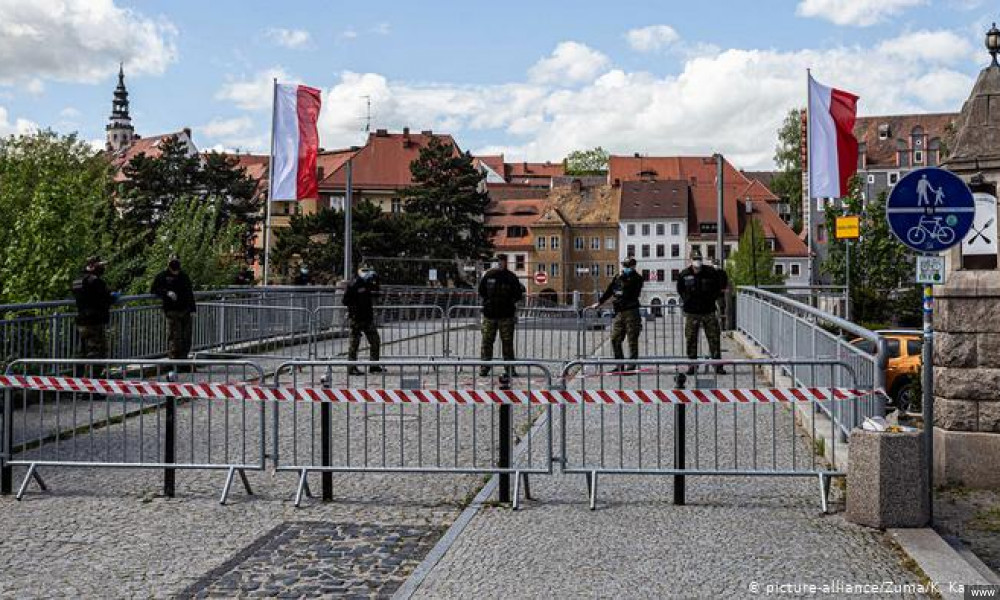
point(53, 190)
point(788, 158)
point(446, 202)
point(753, 261)
point(587, 162)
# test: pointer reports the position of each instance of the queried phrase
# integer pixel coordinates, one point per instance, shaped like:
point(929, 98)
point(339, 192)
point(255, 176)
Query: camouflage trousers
point(489, 330)
point(178, 334)
point(371, 334)
point(93, 341)
point(628, 323)
point(710, 323)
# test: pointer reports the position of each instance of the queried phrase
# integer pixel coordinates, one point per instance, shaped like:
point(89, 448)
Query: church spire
point(119, 129)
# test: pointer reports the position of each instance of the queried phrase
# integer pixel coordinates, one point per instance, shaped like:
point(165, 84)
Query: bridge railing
point(787, 329)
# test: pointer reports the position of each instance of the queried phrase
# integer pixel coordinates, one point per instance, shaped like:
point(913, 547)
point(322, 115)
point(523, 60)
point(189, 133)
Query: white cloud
point(382, 29)
point(570, 62)
point(69, 113)
point(18, 127)
point(945, 47)
point(222, 128)
point(859, 13)
point(651, 38)
point(255, 93)
point(35, 86)
point(80, 40)
point(289, 38)
point(349, 34)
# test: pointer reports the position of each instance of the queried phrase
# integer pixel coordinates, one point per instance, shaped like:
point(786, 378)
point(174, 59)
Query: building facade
point(653, 228)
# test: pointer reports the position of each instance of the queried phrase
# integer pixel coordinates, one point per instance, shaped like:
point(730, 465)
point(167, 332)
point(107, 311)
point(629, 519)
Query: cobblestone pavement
point(306, 560)
point(734, 533)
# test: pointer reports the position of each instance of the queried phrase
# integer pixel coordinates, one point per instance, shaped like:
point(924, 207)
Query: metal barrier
point(406, 331)
point(667, 419)
point(222, 329)
point(544, 334)
point(662, 333)
point(411, 417)
point(131, 414)
point(786, 329)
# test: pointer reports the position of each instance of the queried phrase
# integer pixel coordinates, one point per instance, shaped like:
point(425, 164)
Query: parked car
point(902, 373)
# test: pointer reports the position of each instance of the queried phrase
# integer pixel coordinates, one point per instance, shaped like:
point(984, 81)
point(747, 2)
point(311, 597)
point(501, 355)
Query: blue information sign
point(930, 210)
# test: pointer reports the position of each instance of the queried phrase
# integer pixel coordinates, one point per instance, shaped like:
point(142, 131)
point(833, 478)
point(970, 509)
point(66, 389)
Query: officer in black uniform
point(700, 287)
point(625, 288)
point(500, 291)
point(173, 287)
point(359, 298)
point(303, 278)
point(93, 309)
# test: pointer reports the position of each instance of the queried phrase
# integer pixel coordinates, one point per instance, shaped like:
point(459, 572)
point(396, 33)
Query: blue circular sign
point(930, 210)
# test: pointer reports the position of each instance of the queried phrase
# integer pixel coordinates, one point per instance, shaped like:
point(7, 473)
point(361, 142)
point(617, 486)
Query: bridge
point(264, 431)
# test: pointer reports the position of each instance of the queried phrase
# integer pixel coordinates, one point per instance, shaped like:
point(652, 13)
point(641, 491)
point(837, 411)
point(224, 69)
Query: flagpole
point(270, 184)
point(808, 206)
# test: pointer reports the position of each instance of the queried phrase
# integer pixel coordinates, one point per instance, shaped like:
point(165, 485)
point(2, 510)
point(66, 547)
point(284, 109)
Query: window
point(661, 251)
point(914, 347)
point(709, 228)
point(578, 243)
point(675, 250)
point(595, 270)
point(892, 344)
point(821, 233)
point(540, 242)
point(554, 243)
point(779, 269)
point(396, 206)
point(675, 229)
point(554, 270)
point(893, 178)
point(661, 229)
point(630, 250)
point(645, 274)
point(918, 156)
point(595, 243)
point(871, 179)
point(540, 268)
point(609, 243)
point(609, 270)
point(795, 269)
point(519, 262)
point(631, 229)
point(727, 250)
point(883, 131)
point(660, 274)
point(711, 251)
point(645, 229)
point(516, 231)
point(674, 274)
point(645, 250)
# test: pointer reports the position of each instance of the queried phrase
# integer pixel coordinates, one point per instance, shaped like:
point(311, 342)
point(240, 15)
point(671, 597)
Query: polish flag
point(833, 149)
point(296, 142)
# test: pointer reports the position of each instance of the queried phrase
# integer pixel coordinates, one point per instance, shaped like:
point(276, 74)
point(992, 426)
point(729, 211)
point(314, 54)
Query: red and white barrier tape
point(239, 391)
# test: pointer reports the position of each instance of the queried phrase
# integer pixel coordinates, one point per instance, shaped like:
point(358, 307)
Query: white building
point(653, 218)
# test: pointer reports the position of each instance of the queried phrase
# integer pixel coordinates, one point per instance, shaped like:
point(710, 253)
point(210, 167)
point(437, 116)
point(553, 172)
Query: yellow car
point(902, 373)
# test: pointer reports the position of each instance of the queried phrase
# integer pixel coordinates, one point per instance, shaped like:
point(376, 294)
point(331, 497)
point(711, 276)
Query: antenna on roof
point(368, 113)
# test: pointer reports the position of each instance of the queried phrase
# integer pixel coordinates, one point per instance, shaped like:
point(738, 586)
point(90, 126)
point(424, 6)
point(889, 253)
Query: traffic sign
point(541, 278)
point(930, 210)
point(652, 275)
point(982, 239)
point(930, 269)
point(848, 228)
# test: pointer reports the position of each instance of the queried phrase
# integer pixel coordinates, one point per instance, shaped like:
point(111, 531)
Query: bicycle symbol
point(930, 227)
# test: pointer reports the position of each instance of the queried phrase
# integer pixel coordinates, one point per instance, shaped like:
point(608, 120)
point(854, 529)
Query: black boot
point(353, 370)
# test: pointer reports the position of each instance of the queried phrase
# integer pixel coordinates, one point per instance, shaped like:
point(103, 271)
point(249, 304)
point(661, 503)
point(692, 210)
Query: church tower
point(119, 128)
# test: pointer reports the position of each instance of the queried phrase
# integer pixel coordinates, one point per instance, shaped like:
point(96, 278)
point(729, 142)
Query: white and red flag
point(295, 143)
point(833, 149)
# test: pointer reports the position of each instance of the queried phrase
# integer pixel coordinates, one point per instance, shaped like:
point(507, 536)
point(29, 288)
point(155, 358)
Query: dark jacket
point(700, 291)
point(626, 289)
point(360, 297)
point(303, 279)
point(500, 291)
point(179, 284)
point(93, 300)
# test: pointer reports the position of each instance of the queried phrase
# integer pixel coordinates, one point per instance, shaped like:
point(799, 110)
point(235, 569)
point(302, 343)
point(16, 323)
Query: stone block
point(886, 481)
point(988, 284)
point(967, 458)
point(989, 416)
point(988, 350)
point(955, 350)
point(968, 315)
point(956, 415)
point(959, 284)
point(966, 384)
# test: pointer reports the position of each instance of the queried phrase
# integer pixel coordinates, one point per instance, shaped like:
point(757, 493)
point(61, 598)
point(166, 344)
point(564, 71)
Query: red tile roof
point(501, 214)
point(882, 153)
point(666, 199)
point(150, 146)
point(384, 161)
point(534, 169)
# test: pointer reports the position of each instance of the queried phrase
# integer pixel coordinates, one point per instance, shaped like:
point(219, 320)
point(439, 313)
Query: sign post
point(930, 210)
point(848, 228)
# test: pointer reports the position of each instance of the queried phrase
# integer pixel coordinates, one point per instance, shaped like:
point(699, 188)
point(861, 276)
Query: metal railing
point(830, 299)
point(790, 330)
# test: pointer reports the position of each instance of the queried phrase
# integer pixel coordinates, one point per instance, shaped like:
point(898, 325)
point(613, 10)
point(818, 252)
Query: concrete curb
point(942, 564)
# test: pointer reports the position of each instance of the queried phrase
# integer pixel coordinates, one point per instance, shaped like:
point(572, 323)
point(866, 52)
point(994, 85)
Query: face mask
point(367, 274)
point(696, 264)
point(628, 270)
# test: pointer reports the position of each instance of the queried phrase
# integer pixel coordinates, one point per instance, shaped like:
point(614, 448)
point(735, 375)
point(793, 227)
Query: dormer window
point(883, 131)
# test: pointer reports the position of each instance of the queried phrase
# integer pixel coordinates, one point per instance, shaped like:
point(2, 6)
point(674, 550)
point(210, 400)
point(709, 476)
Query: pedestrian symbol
point(930, 210)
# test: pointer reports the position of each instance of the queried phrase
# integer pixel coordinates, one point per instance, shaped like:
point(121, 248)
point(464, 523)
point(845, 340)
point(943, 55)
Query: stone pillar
point(967, 380)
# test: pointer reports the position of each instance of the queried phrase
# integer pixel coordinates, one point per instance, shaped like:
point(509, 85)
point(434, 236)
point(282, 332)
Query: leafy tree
point(881, 266)
point(788, 158)
point(52, 190)
point(587, 162)
point(210, 254)
point(446, 203)
point(753, 261)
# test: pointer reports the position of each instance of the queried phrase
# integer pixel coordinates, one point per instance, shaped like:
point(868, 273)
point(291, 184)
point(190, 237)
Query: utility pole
point(348, 205)
point(720, 219)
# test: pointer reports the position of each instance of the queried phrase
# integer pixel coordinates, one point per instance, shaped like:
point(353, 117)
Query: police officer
point(500, 291)
point(359, 298)
point(625, 288)
point(93, 309)
point(303, 278)
point(173, 287)
point(700, 287)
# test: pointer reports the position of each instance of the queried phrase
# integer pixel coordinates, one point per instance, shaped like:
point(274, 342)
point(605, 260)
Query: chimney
point(617, 182)
point(381, 133)
point(694, 180)
point(637, 155)
point(406, 132)
point(427, 132)
point(187, 132)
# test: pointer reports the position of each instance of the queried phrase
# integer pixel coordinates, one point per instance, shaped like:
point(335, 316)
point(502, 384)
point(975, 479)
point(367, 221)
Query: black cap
point(94, 262)
point(629, 262)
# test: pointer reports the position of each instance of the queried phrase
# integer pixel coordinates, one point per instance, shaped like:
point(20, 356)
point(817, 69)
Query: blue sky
point(530, 79)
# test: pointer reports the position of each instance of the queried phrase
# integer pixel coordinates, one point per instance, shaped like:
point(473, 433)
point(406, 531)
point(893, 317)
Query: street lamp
point(753, 239)
point(993, 42)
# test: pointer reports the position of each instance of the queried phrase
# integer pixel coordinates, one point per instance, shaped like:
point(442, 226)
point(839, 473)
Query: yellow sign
point(848, 228)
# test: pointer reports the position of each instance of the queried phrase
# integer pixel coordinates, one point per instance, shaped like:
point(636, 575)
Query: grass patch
point(987, 520)
point(819, 446)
